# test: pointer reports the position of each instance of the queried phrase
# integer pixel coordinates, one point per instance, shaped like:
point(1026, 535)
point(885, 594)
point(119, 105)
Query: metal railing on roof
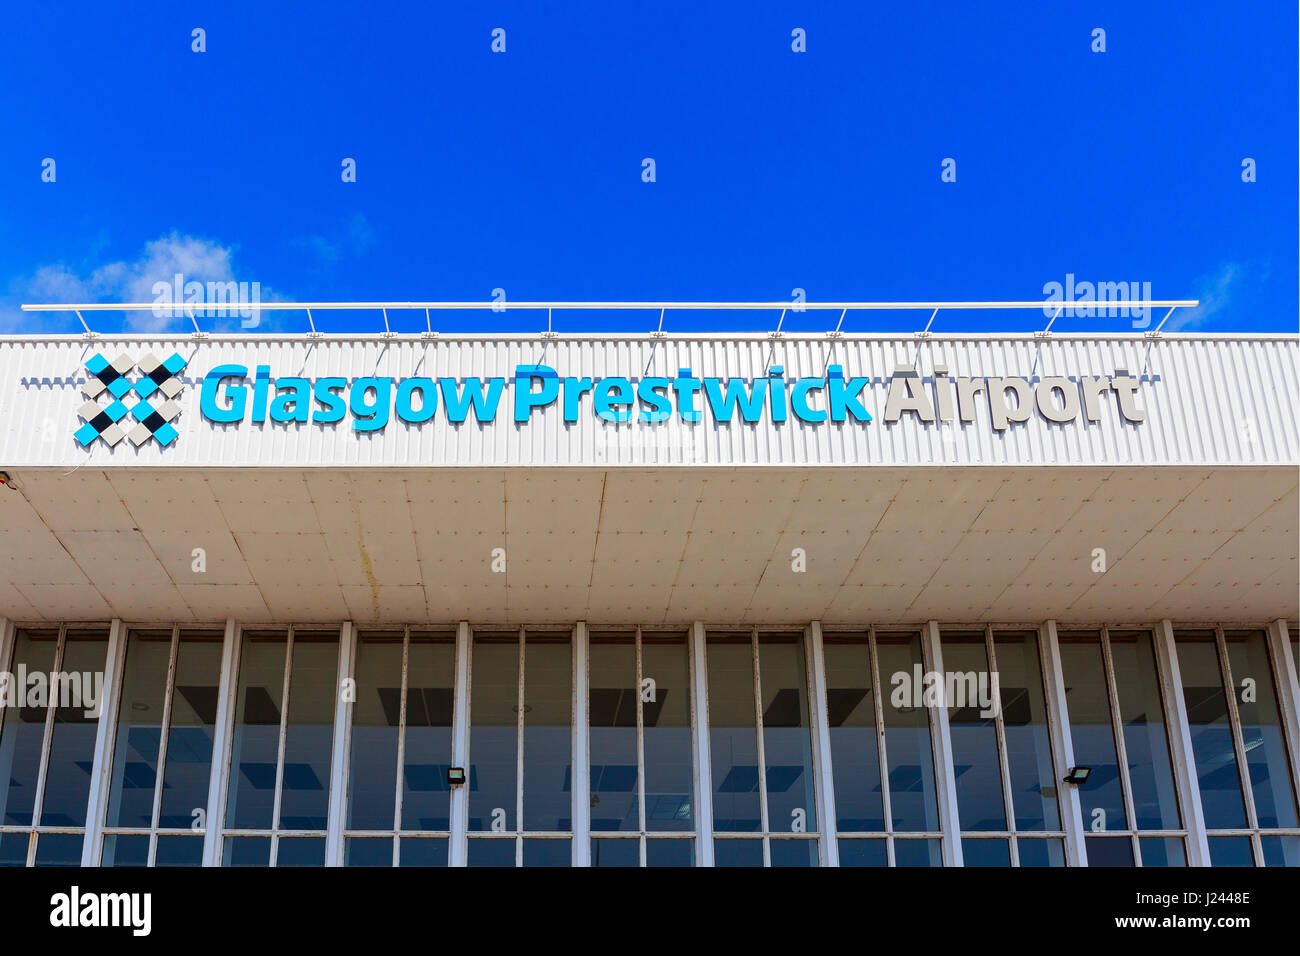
point(844, 308)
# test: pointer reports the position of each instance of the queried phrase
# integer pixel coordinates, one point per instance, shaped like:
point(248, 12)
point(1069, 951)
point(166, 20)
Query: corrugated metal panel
point(1209, 400)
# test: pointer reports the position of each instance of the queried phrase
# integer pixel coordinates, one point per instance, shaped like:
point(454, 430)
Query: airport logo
point(137, 409)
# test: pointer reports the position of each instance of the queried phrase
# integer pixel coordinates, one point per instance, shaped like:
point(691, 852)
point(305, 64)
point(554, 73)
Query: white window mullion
point(102, 766)
point(285, 688)
point(580, 747)
point(700, 746)
point(342, 747)
point(399, 772)
point(163, 739)
point(1238, 745)
point(823, 779)
point(222, 738)
point(1180, 745)
point(764, 821)
point(459, 851)
point(1058, 728)
point(1288, 693)
point(945, 781)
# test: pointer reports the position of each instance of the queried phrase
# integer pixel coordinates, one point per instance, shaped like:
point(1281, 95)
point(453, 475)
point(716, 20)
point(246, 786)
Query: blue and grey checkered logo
point(138, 409)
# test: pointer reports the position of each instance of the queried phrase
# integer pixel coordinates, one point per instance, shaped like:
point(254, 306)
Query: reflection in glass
point(192, 727)
point(1146, 746)
point(309, 736)
point(669, 852)
point(851, 719)
point(72, 747)
point(912, 797)
point(1109, 851)
point(733, 737)
point(58, 849)
point(1036, 852)
point(666, 741)
point(139, 735)
point(974, 733)
point(300, 851)
point(372, 772)
point(422, 851)
point(1207, 713)
point(1029, 746)
point(793, 852)
point(613, 705)
point(548, 733)
point(1280, 849)
point(864, 852)
point(787, 740)
point(918, 852)
point(256, 740)
point(430, 697)
point(539, 852)
point(1092, 734)
point(179, 851)
point(615, 853)
point(494, 737)
point(737, 852)
point(123, 849)
point(1231, 851)
point(21, 737)
point(986, 851)
point(368, 851)
point(1261, 729)
point(1162, 851)
point(486, 851)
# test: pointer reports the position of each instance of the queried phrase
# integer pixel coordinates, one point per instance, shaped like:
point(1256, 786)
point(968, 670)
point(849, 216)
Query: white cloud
point(197, 259)
point(1215, 293)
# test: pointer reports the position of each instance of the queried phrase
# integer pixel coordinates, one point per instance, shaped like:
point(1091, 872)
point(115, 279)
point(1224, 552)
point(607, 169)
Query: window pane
point(1146, 745)
point(974, 737)
point(851, 718)
point(1280, 850)
point(246, 851)
point(58, 849)
point(1092, 732)
point(189, 740)
point(1162, 851)
point(669, 767)
point(918, 853)
point(548, 852)
point(126, 850)
point(430, 701)
point(376, 715)
point(913, 802)
point(615, 853)
point(737, 852)
point(21, 737)
point(733, 736)
point(367, 851)
point(985, 852)
point(1261, 728)
point(669, 852)
point(793, 852)
point(1231, 851)
point(1029, 746)
point(1040, 852)
point(300, 851)
point(139, 732)
point(614, 804)
point(863, 852)
point(179, 851)
point(72, 749)
point(422, 851)
point(256, 740)
point(491, 852)
point(1207, 712)
point(548, 732)
point(309, 737)
point(787, 738)
point(13, 848)
point(494, 734)
point(1109, 851)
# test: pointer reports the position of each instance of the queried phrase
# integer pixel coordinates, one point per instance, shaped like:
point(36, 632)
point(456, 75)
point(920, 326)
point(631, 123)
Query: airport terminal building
point(657, 600)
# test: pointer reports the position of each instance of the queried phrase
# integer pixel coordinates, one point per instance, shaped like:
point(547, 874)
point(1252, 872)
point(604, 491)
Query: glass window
point(1092, 731)
point(282, 745)
point(47, 743)
point(913, 801)
point(1211, 727)
point(167, 716)
point(852, 722)
point(973, 728)
point(1146, 745)
point(521, 706)
point(405, 689)
point(1261, 729)
point(761, 747)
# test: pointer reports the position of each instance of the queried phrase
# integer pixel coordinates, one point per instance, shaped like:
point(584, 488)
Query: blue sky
point(775, 170)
